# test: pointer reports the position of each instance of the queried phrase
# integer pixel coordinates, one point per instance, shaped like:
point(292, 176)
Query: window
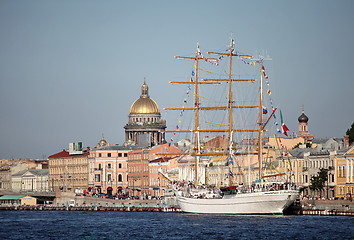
point(100, 155)
point(97, 177)
point(339, 172)
point(109, 154)
point(125, 154)
point(109, 165)
point(109, 177)
point(119, 154)
point(120, 178)
point(99, 166)
point(119, 165)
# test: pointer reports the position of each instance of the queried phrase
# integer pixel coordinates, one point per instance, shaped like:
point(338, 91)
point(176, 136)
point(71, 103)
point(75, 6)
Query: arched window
point(120, 178)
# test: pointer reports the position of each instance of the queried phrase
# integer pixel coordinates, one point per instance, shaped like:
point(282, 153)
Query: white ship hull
point(256, 203)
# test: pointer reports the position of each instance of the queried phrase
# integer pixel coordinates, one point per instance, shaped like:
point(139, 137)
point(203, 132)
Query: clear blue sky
point(69, 70)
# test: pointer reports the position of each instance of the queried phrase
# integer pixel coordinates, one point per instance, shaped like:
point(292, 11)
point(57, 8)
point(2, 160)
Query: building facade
point(158, 184)
point(15, 166)
point(68, 171)
point(140, 182)
point(32, 180)
point(344, 168)
point(108, 169)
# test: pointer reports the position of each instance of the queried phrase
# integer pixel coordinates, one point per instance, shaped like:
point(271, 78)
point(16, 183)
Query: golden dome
point(144, 104)
point(102, 142)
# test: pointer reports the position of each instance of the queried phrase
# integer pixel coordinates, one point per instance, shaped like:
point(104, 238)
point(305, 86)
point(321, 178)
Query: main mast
point(260, 132)
point(197, 148)
point(230, 105)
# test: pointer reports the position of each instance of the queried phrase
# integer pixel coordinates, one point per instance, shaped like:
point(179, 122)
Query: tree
point(350, 133)
point(318, 182)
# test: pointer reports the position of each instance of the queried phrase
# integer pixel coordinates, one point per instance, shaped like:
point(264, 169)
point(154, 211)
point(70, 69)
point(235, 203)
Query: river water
point(154, 225)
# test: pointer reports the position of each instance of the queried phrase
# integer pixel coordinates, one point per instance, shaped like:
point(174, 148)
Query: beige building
point(344, 168)
point(68, 170)
point(306, 163)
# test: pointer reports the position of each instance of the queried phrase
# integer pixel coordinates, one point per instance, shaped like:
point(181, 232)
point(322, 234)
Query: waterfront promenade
point(65, 201)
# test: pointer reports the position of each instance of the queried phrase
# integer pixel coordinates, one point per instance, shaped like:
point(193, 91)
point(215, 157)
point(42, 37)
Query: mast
point(261, 124)
point(197, 149)
point(260, 132)
point(229, 107)
point(230, 104)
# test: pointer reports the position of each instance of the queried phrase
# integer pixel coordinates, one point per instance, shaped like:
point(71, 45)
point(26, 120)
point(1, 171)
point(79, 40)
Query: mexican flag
point(284, 128)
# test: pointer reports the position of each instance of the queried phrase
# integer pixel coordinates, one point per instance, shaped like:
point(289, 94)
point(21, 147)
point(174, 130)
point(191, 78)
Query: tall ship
point(262, 196)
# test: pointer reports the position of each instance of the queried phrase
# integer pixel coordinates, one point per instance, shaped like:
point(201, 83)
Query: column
point(351, 170)
point(347, 171)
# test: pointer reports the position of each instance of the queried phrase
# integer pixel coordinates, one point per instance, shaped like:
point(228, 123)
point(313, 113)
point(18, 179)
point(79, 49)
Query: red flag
point(284, 128)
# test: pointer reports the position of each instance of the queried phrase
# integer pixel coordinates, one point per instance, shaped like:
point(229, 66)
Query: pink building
point(108, 168)
point(143, 167)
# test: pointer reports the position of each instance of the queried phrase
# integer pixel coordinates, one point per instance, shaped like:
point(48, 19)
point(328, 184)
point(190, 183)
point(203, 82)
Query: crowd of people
point(189, 189)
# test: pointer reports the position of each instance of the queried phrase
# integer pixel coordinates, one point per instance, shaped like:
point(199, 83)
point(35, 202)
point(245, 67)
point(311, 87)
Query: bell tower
point(303, 126)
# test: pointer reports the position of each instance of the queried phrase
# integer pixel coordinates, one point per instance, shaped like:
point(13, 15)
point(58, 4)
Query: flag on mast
point(284, 128)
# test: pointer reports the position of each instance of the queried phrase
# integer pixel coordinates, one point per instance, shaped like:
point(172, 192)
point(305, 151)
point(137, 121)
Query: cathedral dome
point(303, 118)
point(102, 142)
point(144, 104)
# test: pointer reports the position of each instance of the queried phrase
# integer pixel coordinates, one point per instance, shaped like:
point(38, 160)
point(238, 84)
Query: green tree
point(350, 133)
point(318, 182)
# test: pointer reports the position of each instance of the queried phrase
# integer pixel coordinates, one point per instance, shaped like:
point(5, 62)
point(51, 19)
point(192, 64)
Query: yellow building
point(344, 168)
point(68, 170)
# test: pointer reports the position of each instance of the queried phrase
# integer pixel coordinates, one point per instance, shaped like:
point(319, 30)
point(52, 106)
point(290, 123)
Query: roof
point(36, 172)
point(116, 147)
point(39, 171)
point(299, 152)
point(20, 173)
point(160, 160)
point(320, 140)
point(12, 197)
point(144, 104)
point(65, 153)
